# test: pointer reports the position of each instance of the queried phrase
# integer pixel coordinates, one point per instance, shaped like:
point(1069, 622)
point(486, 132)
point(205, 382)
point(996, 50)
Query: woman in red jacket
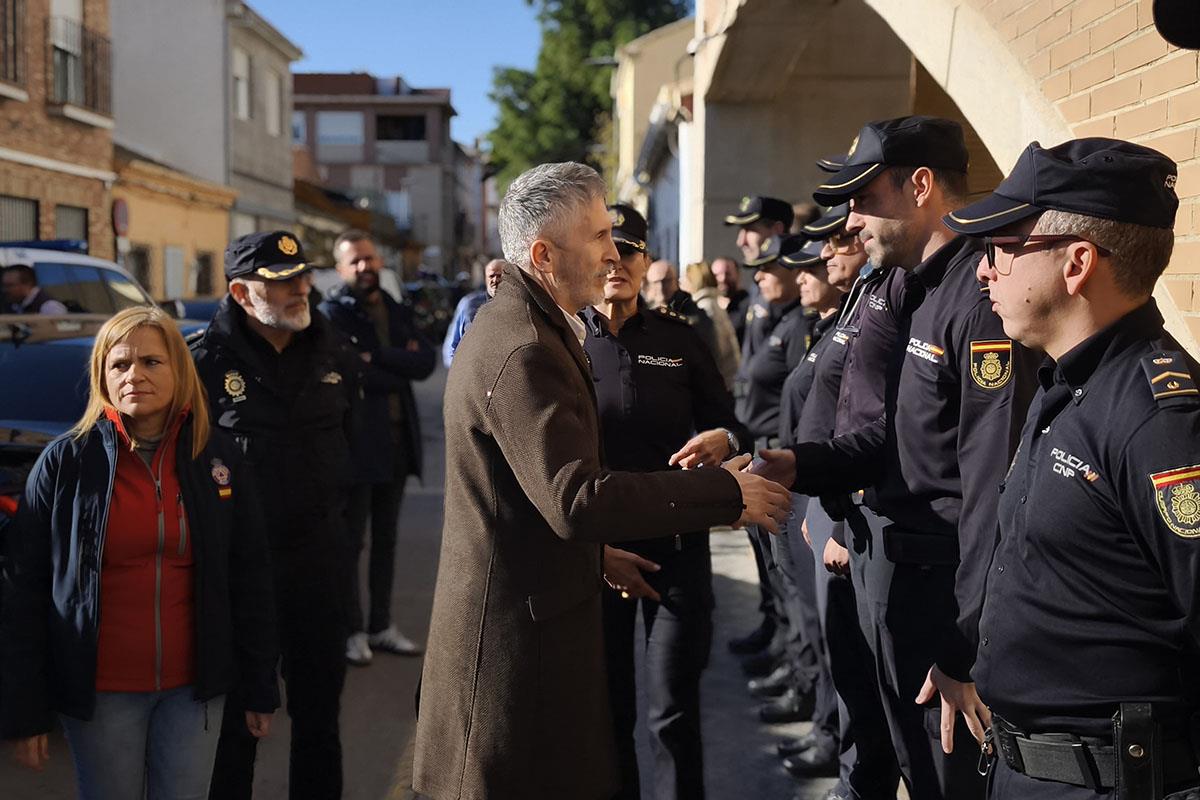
point(138, 592)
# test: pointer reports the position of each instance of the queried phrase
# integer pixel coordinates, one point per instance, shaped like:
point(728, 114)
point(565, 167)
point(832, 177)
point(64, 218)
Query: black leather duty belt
point(1088, 762)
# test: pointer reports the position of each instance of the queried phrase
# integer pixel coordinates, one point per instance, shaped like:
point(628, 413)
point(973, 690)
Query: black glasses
point(844, 241)
point(1013, 244)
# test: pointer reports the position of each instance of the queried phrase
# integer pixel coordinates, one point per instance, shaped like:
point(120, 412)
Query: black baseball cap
point(905, 142)
point(752, 208)
point(1178, 21)
point(775, 246)
point(1096, 177)
point(807, 256)
point(628, 228)
point(832, 163)
point(272, 256)
point(831, 222)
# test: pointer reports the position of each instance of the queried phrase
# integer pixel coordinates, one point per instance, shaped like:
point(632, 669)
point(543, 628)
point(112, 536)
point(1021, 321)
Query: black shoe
point(756, 640)
point(792, 706)
point(759, 665)
point(772, 685)
point(790, 747)
point(818, 761)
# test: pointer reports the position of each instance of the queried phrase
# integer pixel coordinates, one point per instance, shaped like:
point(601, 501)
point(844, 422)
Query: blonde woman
point(138, 593)
point(701, 284)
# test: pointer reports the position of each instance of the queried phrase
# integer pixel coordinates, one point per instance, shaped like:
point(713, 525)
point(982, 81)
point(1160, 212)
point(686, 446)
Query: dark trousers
point(868, 762)
point(678, 639)
point(1005, 784)
point(792, 565)
point(900, 609)
point(310, 600)
point(381, 503)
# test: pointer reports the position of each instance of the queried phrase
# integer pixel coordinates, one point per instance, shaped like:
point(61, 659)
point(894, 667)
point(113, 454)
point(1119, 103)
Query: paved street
point(377, 718)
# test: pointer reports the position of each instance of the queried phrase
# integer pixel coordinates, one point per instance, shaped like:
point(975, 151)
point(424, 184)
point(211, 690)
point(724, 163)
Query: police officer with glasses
point(1090, 627)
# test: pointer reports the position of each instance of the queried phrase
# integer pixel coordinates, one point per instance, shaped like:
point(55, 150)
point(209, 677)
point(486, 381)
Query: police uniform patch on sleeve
point(1169, 376)
point(991, 362)
point(1177, 494)
point(221, 477)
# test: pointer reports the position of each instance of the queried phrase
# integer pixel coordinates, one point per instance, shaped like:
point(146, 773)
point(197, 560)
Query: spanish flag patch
point(991, 362)
point(1177, 494)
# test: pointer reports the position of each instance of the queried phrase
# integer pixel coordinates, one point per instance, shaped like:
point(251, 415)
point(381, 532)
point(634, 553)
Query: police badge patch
point(235, 386)
point(991, 363)
point(221, 476)
point(1177, 493)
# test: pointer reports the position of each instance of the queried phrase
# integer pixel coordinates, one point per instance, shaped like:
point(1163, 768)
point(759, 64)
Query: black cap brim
point(628, 241)
point(844, 183)
point(743, 219)
point(800, 261)
point(1178, 21)
point(989, 214)
point(281, 272)
point(831, 163)
point(826, 226)
point(761, 261)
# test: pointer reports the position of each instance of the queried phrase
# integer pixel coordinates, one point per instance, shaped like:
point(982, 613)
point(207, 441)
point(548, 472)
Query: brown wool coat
point(514, 698)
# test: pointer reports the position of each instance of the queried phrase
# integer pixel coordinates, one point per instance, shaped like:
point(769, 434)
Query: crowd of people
point(977, 544)
point(964, 449)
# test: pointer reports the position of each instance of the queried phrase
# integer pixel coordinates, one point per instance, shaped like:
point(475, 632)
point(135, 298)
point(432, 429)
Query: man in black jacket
point(278, 381)
point(387, 446)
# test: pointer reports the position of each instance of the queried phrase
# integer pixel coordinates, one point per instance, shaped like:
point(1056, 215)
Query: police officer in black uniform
point(766, 363)
point(957, 389)
point(867, 768)
point(280, 383)
point(657, 385)
point(757, 219)
point(1091, 623)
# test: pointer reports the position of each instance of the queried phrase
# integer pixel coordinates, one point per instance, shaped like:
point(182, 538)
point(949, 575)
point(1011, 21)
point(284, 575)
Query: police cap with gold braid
point(272, 256)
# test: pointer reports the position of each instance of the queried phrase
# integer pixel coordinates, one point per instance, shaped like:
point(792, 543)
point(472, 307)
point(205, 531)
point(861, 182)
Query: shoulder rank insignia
point(1177, 493)
point(991, 362)
point(1169, 376)
point(674, 316)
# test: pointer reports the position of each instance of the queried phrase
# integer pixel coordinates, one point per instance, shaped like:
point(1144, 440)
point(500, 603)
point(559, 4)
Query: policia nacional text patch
point(1177, 493)
point(991, 362)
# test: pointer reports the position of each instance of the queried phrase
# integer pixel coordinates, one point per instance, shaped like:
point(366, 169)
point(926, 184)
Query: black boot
point(818, 761)
point(792, 706)
point(772, 685)
point(755, 641)
point(789, 747)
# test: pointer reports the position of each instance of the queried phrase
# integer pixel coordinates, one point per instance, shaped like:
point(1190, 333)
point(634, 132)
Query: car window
point(125, 293)
point(44, 382)
point(93, 295)
point(56, 281)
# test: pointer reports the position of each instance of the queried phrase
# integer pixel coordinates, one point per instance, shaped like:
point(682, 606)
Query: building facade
point(387, 144)
point(259, 108)
point(56, 152)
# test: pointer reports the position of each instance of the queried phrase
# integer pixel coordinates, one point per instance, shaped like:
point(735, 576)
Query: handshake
point(766, 500)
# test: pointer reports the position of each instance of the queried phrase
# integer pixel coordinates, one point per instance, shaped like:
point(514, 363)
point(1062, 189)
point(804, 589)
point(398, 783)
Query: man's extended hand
point(764, 503)
point(708, 448)
point(258, 723)
point(836, 558)
point(957, 698)
point(623, 572)
point(778, 466)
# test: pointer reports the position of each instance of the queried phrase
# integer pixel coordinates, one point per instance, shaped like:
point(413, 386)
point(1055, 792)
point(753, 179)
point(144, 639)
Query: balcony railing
point(12, 42)
point(80, 67)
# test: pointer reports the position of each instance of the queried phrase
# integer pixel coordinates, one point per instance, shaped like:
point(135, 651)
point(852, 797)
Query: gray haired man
point(514, 695)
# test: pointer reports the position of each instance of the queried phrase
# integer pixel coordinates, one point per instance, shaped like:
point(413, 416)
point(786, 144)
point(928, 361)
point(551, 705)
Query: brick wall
point(1109, 73)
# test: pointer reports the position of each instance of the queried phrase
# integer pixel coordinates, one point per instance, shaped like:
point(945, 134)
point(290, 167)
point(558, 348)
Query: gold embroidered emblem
point(618, 219)
point(1178, 499)
point(235, 385)
point(853, 147)
point(991, 363)
point(744, 205)
point(288, 246)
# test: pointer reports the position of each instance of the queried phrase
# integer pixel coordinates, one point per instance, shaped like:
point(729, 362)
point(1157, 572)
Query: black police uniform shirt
point(290, 412)
point(777, 347)
point(873, 328)
point(1092, 595)
point(801, 383)
point(957, 392)
point(656, 386)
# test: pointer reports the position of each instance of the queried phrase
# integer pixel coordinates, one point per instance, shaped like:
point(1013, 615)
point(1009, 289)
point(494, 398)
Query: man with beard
point(279, 383)
point(387, 443)
point(514, 697)
point(468, 307)
point(734, 299)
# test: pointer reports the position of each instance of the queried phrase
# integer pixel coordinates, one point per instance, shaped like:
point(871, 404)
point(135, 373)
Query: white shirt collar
point(577, 326)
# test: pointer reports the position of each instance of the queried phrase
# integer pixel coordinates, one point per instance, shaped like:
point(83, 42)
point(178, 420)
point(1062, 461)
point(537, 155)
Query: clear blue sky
point(453, 43)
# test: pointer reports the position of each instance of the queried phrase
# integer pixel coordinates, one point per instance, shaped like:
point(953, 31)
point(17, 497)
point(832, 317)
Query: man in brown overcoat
point(514, 695)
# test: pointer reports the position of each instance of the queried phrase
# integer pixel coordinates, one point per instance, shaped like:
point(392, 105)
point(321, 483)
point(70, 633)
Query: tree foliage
point(555, 112)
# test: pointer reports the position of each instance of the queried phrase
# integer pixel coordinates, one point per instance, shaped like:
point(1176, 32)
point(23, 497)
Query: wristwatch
point(732, 441)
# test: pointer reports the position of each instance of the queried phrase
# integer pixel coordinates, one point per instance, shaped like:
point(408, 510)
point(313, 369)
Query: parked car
point(84, 284)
